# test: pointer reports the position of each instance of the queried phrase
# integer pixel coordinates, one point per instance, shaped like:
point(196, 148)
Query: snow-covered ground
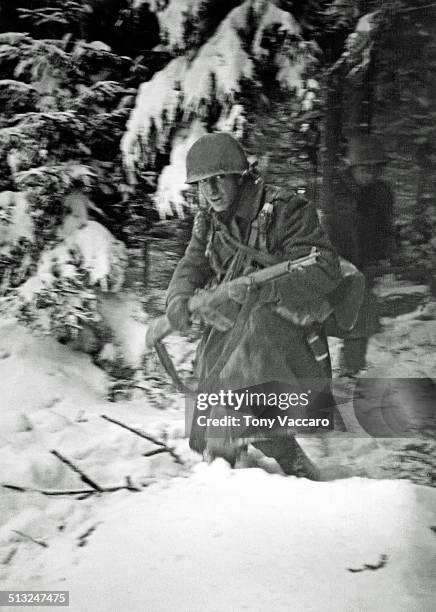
point(196, 536)
point(246, 540)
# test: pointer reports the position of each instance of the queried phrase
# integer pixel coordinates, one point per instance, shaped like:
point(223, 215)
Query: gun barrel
point(266, 275)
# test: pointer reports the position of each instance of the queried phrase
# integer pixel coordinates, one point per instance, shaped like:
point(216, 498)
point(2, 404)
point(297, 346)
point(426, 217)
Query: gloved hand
point(207, 310)
point(238, 293)
point(216, 319)
point(178, 313)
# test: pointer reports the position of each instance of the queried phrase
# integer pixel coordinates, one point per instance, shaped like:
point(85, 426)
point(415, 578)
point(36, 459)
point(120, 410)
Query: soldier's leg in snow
point(290, 457)
point(353, 355)
point(219, 448)
point(221, 441)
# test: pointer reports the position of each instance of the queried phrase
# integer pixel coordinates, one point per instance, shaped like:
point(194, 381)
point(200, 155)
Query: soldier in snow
point(259, 336)
point(361, 228)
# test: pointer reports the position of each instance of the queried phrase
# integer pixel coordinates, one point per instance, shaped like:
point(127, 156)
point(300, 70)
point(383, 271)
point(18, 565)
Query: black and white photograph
point(218, 305)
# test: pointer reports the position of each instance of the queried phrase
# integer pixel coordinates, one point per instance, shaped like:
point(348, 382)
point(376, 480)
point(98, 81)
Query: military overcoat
point(360, 226)
point(270, 347)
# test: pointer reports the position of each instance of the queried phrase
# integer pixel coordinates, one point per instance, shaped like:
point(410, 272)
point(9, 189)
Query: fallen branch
point(28, 537)
point(83, 477)
point(127, 487)
point(133, 430)
point(165, 447)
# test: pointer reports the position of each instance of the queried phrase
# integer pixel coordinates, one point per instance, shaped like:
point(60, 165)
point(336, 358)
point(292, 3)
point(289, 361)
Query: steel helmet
point(214, 154)
point(366, 150)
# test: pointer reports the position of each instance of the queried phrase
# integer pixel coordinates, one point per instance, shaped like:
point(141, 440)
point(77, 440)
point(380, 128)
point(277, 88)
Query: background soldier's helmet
point(365, 151)
point(214, 154)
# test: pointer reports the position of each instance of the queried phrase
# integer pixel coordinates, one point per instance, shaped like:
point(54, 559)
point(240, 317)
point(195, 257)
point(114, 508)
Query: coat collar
point(250, 199)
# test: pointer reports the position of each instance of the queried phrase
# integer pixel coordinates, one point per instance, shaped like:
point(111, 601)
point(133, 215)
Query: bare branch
point(28, 537)
point(165, 447)
point(127, 487)
point(83, 477)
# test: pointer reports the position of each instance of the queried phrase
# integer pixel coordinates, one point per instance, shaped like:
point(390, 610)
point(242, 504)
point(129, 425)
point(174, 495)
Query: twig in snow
point(165, 447)
point(83, 477)
point(155, 452)
point(14, 487)
point(83, 539)
point(133, 430)
point(9, 556)
point(369, 566)
point(28, 537)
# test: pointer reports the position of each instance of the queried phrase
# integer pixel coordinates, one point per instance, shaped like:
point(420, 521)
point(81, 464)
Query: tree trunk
point(332, 133)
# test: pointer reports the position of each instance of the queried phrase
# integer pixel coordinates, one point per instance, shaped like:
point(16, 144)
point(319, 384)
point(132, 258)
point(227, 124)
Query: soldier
point(258, 337)
point(361, 228)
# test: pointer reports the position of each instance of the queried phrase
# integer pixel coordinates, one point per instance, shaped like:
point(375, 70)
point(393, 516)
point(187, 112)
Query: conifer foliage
point(213, 82)
point(64, 206)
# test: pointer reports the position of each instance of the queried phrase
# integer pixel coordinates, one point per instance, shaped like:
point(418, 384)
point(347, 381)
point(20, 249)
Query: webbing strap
point(264, 259)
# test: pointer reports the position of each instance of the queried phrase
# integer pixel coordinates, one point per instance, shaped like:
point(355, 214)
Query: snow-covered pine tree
point(64, 108)
point(219, 83)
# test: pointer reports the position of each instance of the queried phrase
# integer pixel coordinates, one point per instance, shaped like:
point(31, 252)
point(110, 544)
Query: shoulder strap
point(265, 259)
point(261, 224)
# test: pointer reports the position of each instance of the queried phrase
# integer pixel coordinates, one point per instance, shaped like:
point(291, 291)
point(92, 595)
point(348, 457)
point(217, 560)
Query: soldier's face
point(220, 191)
point(365, 175)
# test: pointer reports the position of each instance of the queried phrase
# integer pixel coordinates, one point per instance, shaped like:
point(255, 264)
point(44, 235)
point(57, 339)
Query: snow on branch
point(365, 23)
point(224, 57)
point(172, 20)
point(359, 44)
point(169, 195)
point(91, 248)
point(155, 96)
point(15, 220)
point(206, 88)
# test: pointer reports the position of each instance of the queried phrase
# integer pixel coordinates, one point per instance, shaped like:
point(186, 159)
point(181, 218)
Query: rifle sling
point(263, 258)
point(167, 363)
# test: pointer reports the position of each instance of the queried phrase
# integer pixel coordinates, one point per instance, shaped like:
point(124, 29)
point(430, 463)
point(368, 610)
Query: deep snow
point(245, 540)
